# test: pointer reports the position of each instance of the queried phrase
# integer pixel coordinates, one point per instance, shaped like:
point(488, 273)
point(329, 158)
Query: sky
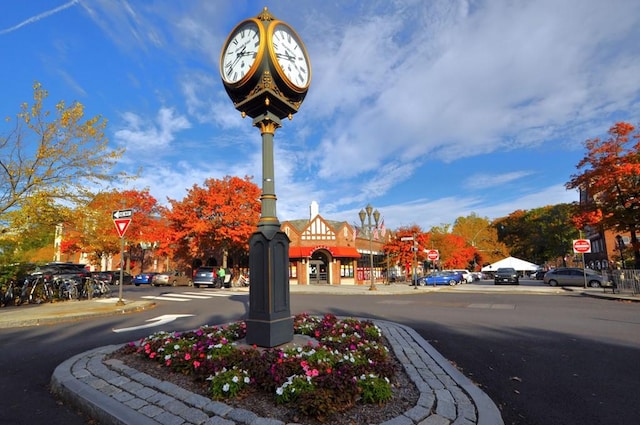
point(427, 110)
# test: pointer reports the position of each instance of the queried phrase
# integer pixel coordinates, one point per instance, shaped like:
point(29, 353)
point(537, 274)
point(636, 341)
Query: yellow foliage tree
point(54, 156)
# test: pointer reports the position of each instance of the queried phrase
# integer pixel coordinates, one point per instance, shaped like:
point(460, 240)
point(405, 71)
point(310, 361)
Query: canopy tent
point(516, 263)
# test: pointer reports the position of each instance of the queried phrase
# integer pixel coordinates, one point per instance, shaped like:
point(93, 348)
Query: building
point(608, 248)
point(327, 252)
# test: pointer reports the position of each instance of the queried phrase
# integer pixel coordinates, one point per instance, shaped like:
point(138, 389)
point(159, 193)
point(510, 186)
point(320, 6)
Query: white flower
point(176, 347)
point(167, 357)
point(279, 390)
point(235, 379)
point(225, 388)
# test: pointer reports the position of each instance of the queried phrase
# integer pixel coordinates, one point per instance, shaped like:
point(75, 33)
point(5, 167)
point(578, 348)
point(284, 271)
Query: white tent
point(516, 263)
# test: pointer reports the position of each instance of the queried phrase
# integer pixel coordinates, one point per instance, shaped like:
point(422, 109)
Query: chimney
point(313, 210)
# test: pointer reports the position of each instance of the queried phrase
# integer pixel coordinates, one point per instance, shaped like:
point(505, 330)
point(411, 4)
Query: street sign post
point(122, 220)
point(582, 246)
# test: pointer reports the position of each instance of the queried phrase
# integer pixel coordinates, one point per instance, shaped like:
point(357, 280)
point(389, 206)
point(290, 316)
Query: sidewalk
point(113, 393)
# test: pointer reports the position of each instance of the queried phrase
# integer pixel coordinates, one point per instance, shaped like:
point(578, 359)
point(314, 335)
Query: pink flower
point(187, 356)
point(196, 364)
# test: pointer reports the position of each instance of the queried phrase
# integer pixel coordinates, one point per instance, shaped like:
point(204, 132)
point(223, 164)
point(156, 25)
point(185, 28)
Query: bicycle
point(67, 289)
point(8, 294)
point(36, 291)
point(92, 288)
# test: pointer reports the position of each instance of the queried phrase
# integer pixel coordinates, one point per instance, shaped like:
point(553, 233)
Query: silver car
point(569, 276)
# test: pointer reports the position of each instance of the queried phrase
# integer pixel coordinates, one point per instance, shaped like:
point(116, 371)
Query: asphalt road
point(544, 359)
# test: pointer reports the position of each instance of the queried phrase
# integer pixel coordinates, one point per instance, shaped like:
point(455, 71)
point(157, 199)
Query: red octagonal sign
point(582, 246)
point(433, 254)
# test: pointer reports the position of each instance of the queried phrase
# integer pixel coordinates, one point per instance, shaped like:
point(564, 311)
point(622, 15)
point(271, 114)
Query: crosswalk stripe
point(150, 297)
point(187, 295)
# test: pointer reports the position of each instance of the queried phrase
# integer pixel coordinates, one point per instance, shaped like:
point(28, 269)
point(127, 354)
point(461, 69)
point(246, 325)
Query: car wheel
point(137, 284)
point(174, 283)
point(196, 285)
point(452, 282)
point(553, 282)
point(594, 284)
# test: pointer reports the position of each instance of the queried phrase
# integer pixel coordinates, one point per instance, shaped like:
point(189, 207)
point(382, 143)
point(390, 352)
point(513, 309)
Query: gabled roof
point(516, 263)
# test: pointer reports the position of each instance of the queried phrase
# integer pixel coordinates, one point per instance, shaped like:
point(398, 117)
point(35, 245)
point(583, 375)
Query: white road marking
point(156, 321)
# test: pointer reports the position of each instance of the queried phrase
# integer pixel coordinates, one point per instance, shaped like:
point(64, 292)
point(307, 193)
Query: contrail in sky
point(40, 16)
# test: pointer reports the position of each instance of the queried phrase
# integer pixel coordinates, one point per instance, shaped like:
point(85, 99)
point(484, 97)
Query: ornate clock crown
point(265, 15)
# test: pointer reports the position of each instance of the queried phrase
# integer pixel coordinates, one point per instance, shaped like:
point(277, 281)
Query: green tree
point(610, 179)
point(540, 234)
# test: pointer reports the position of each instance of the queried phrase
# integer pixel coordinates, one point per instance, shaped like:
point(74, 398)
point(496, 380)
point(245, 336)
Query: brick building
point(328, 252)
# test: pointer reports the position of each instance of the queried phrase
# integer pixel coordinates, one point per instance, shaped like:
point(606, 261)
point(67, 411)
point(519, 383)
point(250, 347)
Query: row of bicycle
point(42, 290)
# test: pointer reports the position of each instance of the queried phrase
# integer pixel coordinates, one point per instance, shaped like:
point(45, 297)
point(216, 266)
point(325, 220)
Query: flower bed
point(345, 363)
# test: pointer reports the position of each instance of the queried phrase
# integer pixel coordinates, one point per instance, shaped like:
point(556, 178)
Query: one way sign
point(122, 214)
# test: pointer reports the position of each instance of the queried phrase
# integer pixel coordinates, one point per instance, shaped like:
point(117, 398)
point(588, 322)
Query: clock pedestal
point(270, 322)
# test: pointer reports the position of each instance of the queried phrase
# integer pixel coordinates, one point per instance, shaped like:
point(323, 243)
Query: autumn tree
point(401, 252)
point(610, 178)
point(92, 229)
point(216, 219)
point(478, 233)
point(538, 235)
point(52, 156)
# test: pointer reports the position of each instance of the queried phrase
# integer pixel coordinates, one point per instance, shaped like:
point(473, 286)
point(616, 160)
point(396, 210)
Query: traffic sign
point(406, 238)
point(433, 255)
point(581, 246)
point(122, 224)
point(122, 214)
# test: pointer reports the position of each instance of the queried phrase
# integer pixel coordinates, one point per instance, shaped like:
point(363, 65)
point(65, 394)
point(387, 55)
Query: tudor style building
point(328, 252)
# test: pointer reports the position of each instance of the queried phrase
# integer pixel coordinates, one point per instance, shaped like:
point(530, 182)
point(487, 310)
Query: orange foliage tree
point(216, 220)
point(610, 175)
point(92, 227)
point(401, 252)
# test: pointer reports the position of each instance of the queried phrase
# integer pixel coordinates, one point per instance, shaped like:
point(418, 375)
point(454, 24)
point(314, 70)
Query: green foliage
point(374, 389)
point(540, 234)
point(228, 383)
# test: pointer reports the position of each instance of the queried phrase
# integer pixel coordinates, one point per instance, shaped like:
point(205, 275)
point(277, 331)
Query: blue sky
point(428, 110)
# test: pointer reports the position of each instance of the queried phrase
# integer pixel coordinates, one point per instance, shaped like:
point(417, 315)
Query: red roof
point(336, 251)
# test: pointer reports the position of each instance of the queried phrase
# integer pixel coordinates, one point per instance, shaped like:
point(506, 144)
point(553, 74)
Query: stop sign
point(581, 246)
point(433, 255)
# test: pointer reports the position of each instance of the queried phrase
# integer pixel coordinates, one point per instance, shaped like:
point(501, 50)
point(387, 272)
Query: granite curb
point(113, 393)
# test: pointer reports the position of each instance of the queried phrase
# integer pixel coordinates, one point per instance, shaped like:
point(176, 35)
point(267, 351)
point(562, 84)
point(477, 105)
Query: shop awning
point(335, 251)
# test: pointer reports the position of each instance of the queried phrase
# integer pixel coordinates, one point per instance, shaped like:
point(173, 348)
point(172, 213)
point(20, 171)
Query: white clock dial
point(290, 55)
point(240, 53)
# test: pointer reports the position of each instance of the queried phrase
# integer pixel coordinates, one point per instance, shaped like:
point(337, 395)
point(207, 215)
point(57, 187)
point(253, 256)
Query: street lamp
point(367, 213)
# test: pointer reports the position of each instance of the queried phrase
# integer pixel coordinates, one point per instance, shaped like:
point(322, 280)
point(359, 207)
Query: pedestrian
point(221, 274)
point(214, 277)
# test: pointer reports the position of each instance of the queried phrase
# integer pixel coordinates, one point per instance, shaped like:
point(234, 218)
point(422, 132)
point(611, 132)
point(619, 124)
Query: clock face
point(240, 53)
point(290, 56)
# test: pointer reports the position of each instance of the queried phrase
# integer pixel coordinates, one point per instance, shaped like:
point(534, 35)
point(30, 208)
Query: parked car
point(506, 275)
point(112, 277)
point(440, 278)
point(60, 271)
point(203, 277)
point(143, 278)
point(171, 279)
point(467, 277)
point(539, 275)
point(571, 276)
